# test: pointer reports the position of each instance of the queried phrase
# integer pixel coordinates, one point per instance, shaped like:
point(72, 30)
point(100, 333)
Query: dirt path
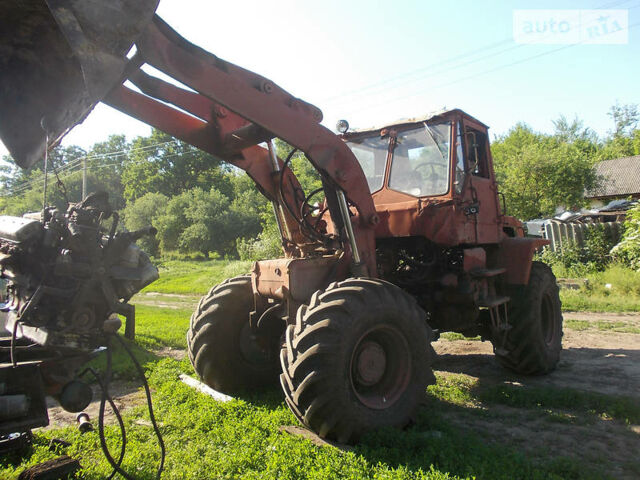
point(125, 395)
point(166, 300)
point(592, 360)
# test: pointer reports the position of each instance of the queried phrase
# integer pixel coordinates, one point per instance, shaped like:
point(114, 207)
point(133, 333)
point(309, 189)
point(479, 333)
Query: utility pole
point(84, 178)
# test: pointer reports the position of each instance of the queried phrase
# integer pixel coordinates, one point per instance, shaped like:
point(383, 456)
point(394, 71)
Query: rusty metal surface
point(474, 258)
point(381, 367)
point(206, 132)
point(513, 224)
point(295, 278)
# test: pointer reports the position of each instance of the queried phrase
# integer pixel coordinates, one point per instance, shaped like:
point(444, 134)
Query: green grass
point(624, 409)
point(454, 389)
point(195, 277)
point(241, 439)
point(585, 301)
point(453, 336)
point(162, 327)
point(156, 328)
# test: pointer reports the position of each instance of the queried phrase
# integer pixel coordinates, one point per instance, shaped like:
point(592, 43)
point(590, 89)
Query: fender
point(515, 254)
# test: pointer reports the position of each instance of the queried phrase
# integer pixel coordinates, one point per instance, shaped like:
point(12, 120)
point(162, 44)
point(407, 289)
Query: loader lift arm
point(62, 57)
point(230, 112)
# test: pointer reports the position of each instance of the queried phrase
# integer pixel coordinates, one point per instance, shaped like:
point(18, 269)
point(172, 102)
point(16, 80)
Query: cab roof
point(435, 115)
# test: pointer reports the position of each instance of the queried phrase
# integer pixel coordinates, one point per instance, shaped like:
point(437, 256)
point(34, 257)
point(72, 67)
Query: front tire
point(221, 346)
point(359, 358)
point(534, 342)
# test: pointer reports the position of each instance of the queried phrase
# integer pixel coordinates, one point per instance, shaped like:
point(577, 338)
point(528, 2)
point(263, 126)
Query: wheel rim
point(380, 367)
point(547, 318)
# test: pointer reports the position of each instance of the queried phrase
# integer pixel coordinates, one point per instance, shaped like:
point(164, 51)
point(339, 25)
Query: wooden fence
point(574, 233)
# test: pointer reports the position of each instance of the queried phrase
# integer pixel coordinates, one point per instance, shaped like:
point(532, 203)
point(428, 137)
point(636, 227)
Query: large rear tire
point(534, 342)
point(222, 349)
point(358, 358)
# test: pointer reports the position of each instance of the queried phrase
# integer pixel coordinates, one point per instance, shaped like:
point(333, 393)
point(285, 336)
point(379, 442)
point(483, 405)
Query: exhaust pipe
point(58, 59)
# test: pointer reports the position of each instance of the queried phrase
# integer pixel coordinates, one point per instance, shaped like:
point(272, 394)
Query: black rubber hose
point(149, 404)
point(306, 228)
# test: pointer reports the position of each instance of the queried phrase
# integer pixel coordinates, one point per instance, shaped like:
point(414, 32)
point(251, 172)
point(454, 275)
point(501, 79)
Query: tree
point(106, 161)
point(576, 134)
point(143, 213)
point(538, 172)
point(268, 243)
point(572, 131)
point(624, 140)
point(625, 118)
point(211, 223)
point(307, 175)
point(26, 187)
point(172, 222)
point(205, 221)
point(160, 163)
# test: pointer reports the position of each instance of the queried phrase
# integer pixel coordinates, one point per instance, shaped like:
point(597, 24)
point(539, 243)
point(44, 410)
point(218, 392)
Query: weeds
point(454, 389)
point(602, 326)
point(453, 336)
point(616, 289)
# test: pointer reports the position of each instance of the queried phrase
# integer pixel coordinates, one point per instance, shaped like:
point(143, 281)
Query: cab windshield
point(420, 162)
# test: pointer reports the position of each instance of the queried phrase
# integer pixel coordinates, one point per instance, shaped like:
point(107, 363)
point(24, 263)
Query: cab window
point(372, 155)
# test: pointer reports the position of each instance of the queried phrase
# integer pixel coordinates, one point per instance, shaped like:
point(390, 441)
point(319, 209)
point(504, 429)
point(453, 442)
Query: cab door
point(481, 204)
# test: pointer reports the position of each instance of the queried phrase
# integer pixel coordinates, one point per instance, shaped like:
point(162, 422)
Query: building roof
point(618, 177)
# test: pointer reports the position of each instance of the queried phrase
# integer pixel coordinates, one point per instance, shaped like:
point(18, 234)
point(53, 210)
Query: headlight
point(342, 126)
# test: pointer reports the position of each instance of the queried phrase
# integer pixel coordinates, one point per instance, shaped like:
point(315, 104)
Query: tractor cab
point(439, 164)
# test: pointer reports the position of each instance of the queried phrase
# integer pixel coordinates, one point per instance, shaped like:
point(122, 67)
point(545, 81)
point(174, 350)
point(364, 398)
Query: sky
point(373, 62)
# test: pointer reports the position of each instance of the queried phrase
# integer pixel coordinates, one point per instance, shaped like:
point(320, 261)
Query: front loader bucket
point(58, 59)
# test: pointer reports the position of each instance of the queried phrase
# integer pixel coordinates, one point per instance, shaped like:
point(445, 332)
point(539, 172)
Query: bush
point(572, 259)
point(597, 247)
point(567, 261)
point(267, 245)
point(628, 250)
